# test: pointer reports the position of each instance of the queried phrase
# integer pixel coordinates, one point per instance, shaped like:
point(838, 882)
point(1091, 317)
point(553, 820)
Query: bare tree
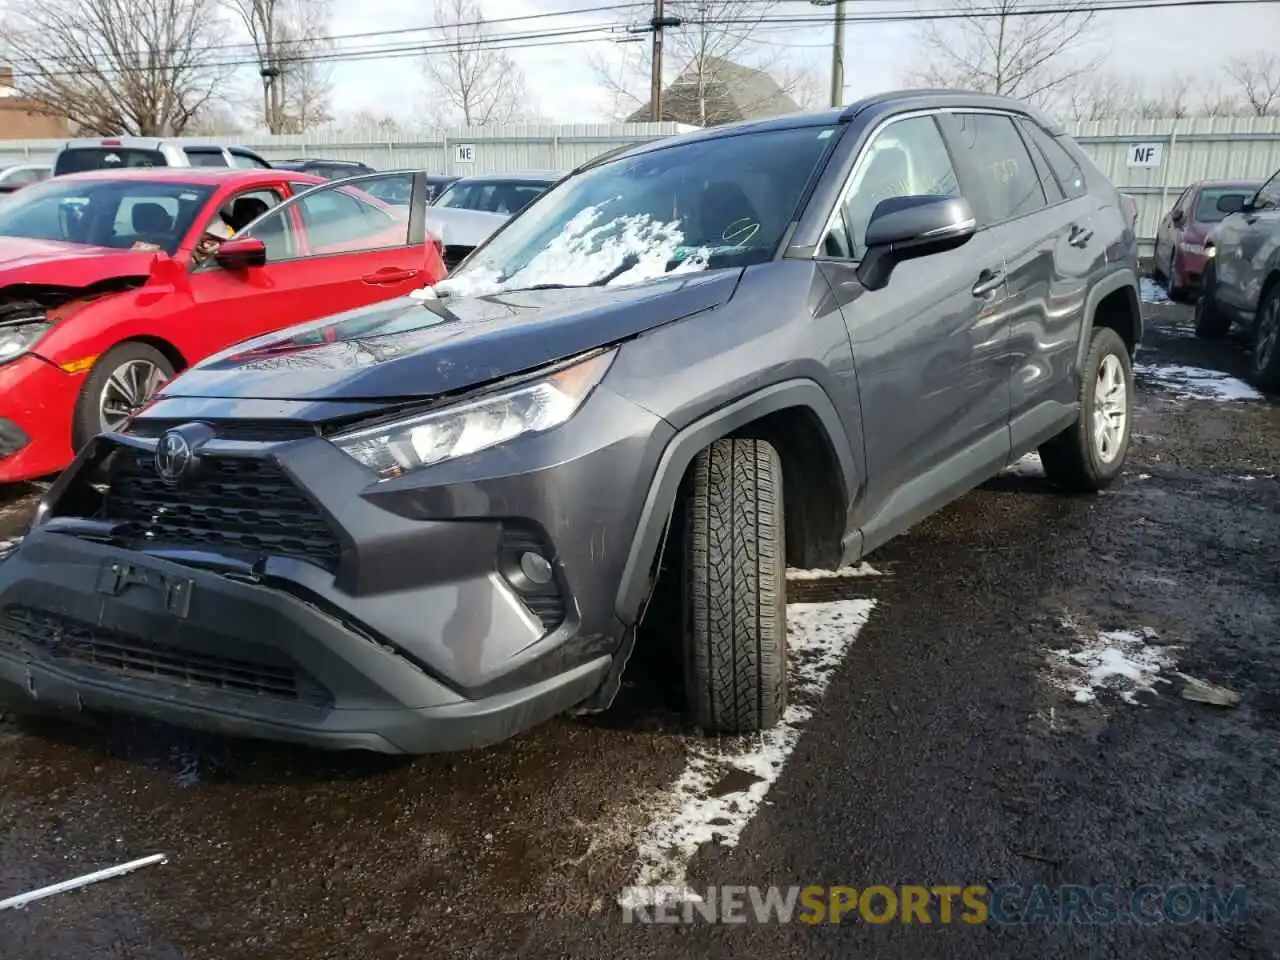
point(372, 123)
point(996, 47)
point(707, 62)
point(470, 81)
point(1102, 96)
point(287, 36)
point(141, 67)
point(1258, 75)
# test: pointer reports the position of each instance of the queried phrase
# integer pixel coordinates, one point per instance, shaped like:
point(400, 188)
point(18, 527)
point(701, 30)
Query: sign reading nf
point(464, 153)
point(1145, 154)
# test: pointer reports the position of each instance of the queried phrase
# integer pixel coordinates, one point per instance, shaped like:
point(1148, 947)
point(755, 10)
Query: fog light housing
point(536, 567)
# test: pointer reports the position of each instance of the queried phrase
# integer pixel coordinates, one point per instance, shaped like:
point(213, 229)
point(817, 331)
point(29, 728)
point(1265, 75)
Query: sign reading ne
point(464, 153)
point(1145, 154)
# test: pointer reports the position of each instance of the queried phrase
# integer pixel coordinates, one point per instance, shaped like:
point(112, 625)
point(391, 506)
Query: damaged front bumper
point(285, 595)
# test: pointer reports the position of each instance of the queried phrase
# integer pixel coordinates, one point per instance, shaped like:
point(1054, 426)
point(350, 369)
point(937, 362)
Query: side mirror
point(1248, 204)
point(240, 253)
point(1176, 217)
point(904, 228)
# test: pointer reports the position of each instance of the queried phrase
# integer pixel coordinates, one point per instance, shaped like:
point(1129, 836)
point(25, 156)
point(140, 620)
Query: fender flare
point(1117, 280)
point(688, 442)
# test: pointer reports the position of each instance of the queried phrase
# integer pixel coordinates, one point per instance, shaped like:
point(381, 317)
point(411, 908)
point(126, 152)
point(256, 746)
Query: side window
point(24, 175)
point(243, 209)
point(1268, 197)
point(1052, 190)
point(205, 158)
point(907, 158)
point(1064, 166)
point(347, 219)
point(1002, 164)
point(246, 162)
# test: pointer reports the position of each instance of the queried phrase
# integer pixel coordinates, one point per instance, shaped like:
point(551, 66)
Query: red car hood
point(67, 264)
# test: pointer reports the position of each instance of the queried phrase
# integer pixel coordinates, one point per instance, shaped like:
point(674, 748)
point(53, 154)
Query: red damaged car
point(111, 282)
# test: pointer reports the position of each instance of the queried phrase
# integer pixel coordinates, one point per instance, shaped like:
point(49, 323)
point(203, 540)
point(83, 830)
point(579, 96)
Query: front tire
point(1266, 341)
point(735, 634)
point(1089, 454)
point(1211, 323)
point(124, 378)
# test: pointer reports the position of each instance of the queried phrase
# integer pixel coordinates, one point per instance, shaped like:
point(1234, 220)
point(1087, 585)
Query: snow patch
point(8, 546)
point(1152, 292)
point(1196, 383)
point(861, 570)
point(1124, 662)
point(588, 251)
point(721, 789)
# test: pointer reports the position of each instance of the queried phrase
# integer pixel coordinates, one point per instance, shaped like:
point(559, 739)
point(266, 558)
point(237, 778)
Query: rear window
point(80, 159)
point(1207, 206)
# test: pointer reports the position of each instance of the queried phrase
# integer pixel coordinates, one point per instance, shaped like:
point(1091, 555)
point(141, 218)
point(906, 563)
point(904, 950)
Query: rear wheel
point(735, 635)
point(1211, 323)
point(1266, 341)
point(1089, 455)
point(122, 381)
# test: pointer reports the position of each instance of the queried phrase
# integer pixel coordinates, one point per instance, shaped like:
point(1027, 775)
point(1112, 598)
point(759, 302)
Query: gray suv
point(1242, 281)
point(433, 523)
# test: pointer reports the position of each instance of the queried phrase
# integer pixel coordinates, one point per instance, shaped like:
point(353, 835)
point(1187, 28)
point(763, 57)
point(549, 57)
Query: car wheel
point(1211, 323)
point(1266, 341)
point(123, 379)
point(735, 630)
point(1090, 454)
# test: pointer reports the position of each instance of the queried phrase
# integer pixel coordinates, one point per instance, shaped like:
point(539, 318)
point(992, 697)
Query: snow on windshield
point(587, 251)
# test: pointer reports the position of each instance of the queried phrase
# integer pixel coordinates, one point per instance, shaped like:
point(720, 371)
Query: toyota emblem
point(173, 456)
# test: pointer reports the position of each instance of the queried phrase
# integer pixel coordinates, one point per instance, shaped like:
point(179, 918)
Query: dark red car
point(112, 282)
point(1179, 258)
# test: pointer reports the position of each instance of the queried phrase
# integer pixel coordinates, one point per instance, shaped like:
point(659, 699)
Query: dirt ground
point(948, 743)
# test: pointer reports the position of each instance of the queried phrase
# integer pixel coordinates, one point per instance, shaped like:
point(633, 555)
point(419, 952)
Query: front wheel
point(1089, 454)
point(124, 379)
point(1266, 341)
point(735, 635)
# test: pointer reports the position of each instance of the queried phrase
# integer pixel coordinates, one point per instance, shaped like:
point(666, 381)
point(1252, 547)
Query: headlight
point(392, 449)
point(1195, 248)
point(17, 338)
point(1210, 250)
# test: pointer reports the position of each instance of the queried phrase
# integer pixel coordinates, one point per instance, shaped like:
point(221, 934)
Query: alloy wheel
point(1110, 409)
point(128, 388)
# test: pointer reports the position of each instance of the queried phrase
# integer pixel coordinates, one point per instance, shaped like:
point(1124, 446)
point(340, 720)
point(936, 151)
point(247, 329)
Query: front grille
point(267, 674)
point(232, 503)
point(256, 431)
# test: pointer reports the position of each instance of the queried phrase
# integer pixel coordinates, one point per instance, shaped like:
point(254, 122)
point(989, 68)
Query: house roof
point(731, 93)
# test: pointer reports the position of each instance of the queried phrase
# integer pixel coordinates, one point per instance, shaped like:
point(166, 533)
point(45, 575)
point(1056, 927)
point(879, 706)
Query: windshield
point(121, 214)
point(1207, 210)
point(692, 206)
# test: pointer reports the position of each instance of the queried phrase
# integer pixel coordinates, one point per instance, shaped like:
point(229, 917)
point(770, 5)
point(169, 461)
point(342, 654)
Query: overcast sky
point(563, 87)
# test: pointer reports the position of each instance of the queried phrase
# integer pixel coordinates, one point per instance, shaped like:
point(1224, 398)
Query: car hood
point(464, 228)
point(68, 264)
point(421, 348)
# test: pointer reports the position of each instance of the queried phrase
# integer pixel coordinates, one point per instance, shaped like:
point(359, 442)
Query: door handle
point(389, 276)
point(1079, 237)
point(989, 281)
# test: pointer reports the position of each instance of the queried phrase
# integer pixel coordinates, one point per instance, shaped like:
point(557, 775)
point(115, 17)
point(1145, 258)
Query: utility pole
point(656, 25)
point(837, 58)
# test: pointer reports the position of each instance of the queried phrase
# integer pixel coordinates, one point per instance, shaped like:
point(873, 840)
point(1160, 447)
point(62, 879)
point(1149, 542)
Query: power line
point(553, 37)
point(306, 42)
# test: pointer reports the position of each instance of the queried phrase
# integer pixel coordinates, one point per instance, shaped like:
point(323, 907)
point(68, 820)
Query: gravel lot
point(947, 743)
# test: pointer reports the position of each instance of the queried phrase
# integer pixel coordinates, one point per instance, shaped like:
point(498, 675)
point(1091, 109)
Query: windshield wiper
point(628, 262)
